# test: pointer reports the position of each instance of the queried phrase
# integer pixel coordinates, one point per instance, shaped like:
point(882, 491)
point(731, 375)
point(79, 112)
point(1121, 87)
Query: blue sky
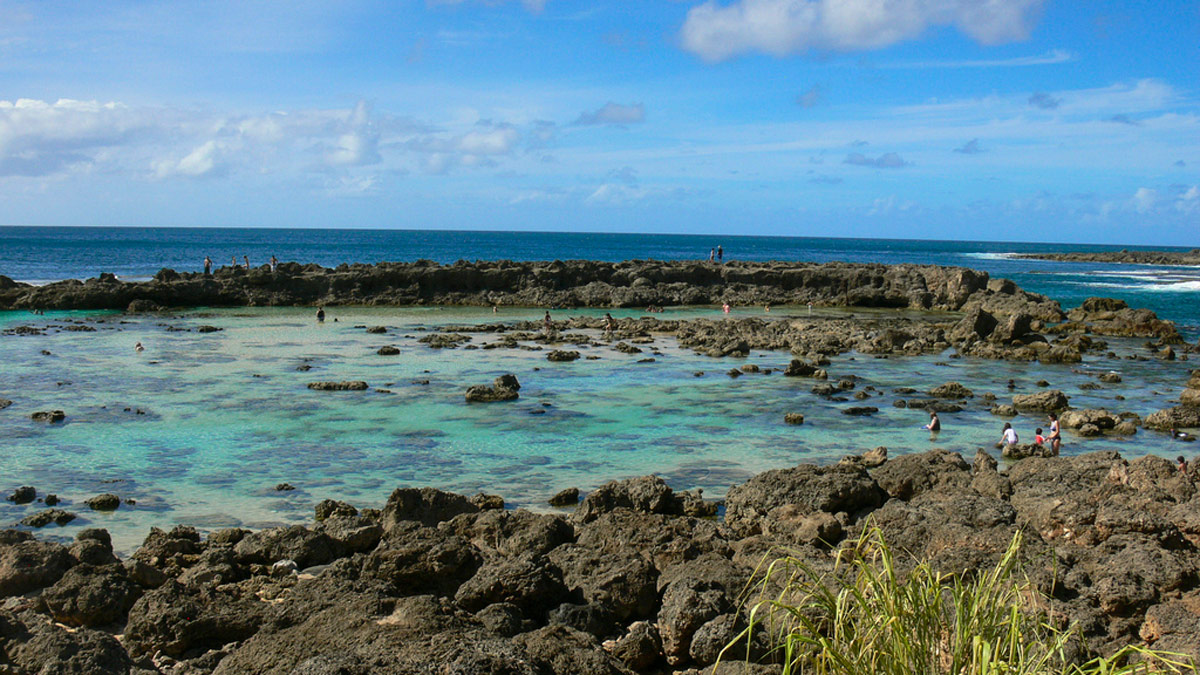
point(1020, 120)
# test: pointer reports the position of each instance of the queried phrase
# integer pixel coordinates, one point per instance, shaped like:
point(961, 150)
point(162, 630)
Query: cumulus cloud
point(358, 145)
point(1145, 199)
point(478, 147)
point(202, 161)
point(885, 161)
point(39, 138)
point(717, 32)
point(1040, 99)
point(971, 147)
point(614, 114)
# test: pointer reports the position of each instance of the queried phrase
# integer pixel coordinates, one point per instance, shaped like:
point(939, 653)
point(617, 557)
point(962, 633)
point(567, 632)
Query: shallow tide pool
point(200, 427)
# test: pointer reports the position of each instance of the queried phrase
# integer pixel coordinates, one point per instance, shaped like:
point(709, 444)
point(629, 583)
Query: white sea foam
point(1177, 287)
point(992, 256)
point(1191, 286)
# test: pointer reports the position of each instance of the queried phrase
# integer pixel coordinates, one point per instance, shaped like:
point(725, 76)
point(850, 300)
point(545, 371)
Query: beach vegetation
point(868, 616)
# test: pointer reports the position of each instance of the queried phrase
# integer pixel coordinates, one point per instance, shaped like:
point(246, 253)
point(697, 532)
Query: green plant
point(866, 618)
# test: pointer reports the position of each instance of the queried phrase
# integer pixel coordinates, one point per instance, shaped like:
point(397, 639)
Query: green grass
point(866, 618)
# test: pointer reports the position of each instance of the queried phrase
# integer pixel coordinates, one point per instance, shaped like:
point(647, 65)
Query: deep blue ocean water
point(41, 254)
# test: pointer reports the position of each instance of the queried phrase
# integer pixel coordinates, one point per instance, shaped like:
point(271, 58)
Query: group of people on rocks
point(1008, 436)
point(233, 263)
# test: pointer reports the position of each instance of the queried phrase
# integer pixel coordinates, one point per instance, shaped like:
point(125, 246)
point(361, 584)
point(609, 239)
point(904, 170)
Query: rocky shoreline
point(558, 284)
point(1190, 258)
point(635, 578)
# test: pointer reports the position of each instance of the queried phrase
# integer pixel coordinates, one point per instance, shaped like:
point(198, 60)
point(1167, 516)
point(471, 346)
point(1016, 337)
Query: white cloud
point(620, 194)
point(202, 161)
point(1189, 201)
point(359, 144)
point(1145, 199)
point(498, 141)
point(615, 114)
point(1051, 57)
point(38, 138)
point(781, 27)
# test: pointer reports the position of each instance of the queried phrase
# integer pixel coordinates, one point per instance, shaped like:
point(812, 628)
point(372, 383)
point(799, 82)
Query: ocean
point(200, 427)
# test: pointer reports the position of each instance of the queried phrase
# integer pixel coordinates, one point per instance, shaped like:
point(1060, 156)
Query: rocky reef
point(575, 283)
point(1191, 257)
point(637, 578)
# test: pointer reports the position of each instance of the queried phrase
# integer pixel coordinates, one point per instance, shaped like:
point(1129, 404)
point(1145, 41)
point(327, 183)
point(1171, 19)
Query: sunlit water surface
point(225, 416)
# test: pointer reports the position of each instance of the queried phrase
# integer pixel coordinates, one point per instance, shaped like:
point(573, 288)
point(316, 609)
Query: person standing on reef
point(610, 324)
point(712, 254)
point(720, 254)
point(1055, 436)
point(320, 315)
point(233, 261)
point(547, 325)
point(725, 308)
point(247, 259)
point(274, 264)
point(207, 265)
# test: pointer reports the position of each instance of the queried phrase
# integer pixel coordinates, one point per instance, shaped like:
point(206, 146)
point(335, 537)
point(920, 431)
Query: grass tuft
point(866, 618)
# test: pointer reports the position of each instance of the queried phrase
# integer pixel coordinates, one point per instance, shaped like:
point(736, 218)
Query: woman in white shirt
point(1010, 435)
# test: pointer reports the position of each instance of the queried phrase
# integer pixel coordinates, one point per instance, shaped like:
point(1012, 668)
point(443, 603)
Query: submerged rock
point(104, 502)
point(503, 389)
point(350, 385)
point(44, 518)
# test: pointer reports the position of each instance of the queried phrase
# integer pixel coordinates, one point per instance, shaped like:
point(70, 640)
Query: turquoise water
point(227, 415)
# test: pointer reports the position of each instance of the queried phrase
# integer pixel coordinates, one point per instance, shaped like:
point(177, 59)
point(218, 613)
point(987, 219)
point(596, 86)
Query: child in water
point(1009, 437)
point(1038, 437)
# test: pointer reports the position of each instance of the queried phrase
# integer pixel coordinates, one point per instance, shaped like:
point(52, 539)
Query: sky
point(1002, 120)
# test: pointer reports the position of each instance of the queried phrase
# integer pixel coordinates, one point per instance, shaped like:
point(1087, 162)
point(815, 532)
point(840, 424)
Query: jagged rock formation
point(638, 579)
point(575, 283)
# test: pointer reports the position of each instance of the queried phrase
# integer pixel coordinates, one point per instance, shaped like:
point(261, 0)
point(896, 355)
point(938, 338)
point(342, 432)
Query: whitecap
point(1177, 287)
point(992, 256)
